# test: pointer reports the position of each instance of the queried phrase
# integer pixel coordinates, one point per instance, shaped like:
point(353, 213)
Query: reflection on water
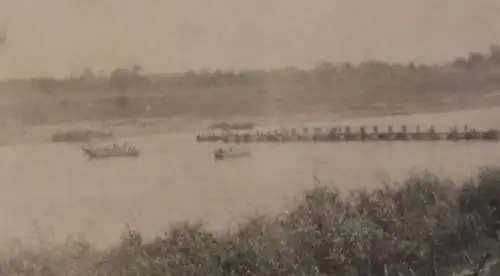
point(52, 190)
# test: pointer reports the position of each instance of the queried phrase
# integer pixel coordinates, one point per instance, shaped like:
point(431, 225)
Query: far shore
point(183, 125)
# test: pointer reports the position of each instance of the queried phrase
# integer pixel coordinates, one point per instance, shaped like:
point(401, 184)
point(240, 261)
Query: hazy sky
point(60, 37)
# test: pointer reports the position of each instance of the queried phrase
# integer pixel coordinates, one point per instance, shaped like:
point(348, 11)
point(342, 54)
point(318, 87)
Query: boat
point(225, 126)
point(80, 136)
point(123, 150)
point(221, 153)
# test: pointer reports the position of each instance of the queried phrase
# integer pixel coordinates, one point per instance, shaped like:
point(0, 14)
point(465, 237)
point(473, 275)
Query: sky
point(61, 37)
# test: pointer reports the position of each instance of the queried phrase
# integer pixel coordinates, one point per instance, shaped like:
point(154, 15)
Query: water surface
point(50, 191)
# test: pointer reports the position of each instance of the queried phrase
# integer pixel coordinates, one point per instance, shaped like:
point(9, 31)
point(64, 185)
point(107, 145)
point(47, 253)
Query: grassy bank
point(418, 227)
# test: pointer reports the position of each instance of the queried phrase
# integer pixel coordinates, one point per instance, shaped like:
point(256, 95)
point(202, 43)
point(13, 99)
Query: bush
point(423, 226)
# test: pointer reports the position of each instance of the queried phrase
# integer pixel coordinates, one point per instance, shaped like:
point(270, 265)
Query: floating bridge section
point(349, 134)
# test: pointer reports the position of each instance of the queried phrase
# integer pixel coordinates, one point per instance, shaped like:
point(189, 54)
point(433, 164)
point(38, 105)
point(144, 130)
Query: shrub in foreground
point(424, 226)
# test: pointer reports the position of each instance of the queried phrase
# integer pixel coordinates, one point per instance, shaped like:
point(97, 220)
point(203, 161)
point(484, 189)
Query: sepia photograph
point(250, 138)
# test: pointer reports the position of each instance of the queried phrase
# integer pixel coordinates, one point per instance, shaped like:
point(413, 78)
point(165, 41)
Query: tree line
point(323, 74)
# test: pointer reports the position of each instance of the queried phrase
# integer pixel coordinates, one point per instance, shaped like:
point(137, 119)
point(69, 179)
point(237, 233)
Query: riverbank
point(423, 224)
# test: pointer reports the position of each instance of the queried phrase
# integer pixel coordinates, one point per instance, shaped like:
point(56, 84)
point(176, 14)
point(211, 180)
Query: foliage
point(424, 226)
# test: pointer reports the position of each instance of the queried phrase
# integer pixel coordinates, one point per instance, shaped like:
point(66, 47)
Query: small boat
point(124, 150)
point(221, 153)
point(228, 126)
point(80, 136)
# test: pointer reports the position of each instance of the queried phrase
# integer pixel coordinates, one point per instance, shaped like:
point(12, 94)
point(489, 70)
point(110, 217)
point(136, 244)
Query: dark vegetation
point(424, 226)
point(371, 87)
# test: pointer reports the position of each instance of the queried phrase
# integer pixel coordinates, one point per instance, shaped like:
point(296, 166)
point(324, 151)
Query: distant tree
point(87, 74)
point(325, 66)
point(120, 78)
point(137, 69)
point(422, 67)
point(346, 66)
point(494, 54)
point(46, 85)
point(461, 63)
point(123, 78)
point(476, 59)
point(324, 71)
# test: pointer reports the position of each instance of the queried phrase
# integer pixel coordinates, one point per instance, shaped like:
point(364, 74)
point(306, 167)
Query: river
point(50, 191)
